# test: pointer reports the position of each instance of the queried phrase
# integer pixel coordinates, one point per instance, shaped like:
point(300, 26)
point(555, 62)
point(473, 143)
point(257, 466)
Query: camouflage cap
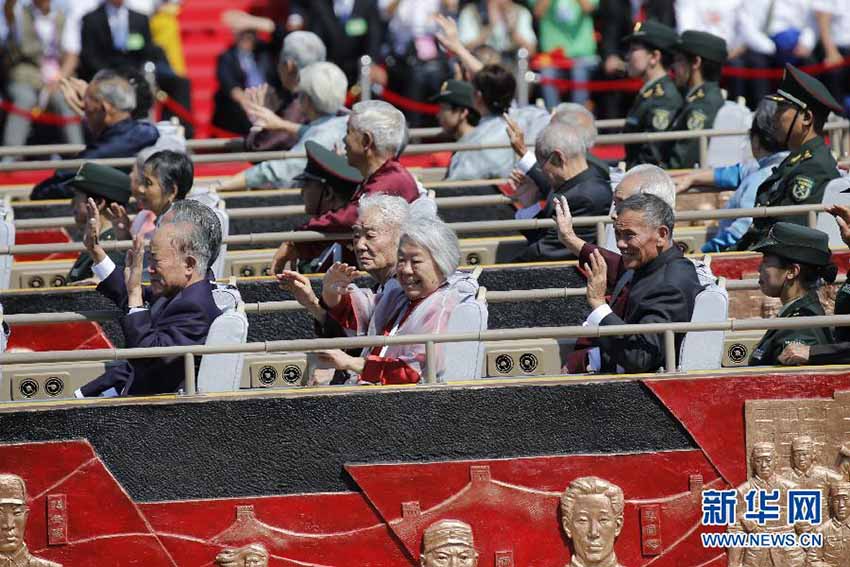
point(446, 532)
point(12, 489)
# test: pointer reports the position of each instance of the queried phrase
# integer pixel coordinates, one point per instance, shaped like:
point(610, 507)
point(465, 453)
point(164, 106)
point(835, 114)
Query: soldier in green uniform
point(650, 55)
point(796, 259)
point(697, 64)
point(803, 105)
point(106, 185)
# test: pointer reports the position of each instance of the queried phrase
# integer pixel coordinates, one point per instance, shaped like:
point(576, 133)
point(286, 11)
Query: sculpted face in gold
point(448, 543)
point(253, 555)
point(13, 514)
point(592, 517)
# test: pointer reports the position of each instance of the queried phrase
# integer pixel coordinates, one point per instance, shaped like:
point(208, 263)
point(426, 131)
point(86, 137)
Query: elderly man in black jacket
point(652, 283)
point(560, 152)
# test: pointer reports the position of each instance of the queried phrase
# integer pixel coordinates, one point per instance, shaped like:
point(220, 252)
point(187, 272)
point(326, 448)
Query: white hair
point(577, 116)
point(114, 89)
point(654, 181)
point(384, 122)
point(325, 85)
point(303, 48)
point(392, 210)
point(426, 230)
point(557, 136)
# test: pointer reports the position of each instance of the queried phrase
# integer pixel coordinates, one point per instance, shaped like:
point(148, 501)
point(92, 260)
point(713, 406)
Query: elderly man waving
point(652, 283)
point(177, 309)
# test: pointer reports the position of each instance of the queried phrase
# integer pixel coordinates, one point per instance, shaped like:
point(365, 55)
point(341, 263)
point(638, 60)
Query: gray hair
point(325, 85)
point(383, 121)
point(437, 238)
point(589, 486)
point(203, 239)
point(114, 89)
point(655, 210)
point(162, 143)
point(303, 48)
point(577, 116)
point(557, 136)
point(654, 181)
point(392, 210)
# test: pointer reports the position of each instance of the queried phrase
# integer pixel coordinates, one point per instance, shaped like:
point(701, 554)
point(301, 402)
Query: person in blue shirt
point(744, 177)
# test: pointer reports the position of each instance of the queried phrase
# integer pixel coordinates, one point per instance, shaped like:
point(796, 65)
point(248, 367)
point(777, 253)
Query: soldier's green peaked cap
point(330, 167)
point(805, 91)
point(797, 243)
point(458, 93)
point(654, 34)
point(98, 180)
point(706, 45)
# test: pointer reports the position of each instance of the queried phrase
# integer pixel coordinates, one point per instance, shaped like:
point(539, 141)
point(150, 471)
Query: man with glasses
point(803, 105)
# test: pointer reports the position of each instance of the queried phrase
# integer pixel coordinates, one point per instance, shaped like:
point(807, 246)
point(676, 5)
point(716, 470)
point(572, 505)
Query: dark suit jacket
point(662, 291)
point(123, 139)
point(344, 49)
point(588, 195)
point(228, 113)
point(181, 320)
point(98, 51)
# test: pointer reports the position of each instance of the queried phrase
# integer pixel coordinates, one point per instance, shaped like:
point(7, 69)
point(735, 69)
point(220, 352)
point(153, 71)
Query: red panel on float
point(712, 410)
point(43, 236)
point(434, 159)
point(79, 335)
point(734, 266)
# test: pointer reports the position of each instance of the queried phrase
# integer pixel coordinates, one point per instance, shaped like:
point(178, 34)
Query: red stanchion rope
point(183, 114)
point(409, 104)
point(39, 116)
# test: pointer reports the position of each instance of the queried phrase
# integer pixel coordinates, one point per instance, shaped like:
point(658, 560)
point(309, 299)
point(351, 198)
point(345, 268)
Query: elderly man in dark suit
point(652, 283)
point(177, 308)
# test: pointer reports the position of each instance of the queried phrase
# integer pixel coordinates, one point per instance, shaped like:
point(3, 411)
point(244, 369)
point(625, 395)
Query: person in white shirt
point(833, 24)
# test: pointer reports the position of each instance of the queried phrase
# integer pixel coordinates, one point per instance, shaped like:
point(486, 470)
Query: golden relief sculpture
point(797, 432)
point(448, 543)
point(835, 551)
point(252, 555)
point(13, 523)
point(592, 518)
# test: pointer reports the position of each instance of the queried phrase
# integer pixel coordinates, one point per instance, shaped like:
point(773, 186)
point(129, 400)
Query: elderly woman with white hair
point(300, 50)
point(322, 88)
point(428, 295)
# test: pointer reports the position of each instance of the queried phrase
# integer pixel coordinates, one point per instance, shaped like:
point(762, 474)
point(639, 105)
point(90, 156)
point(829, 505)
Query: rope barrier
point(39, 116)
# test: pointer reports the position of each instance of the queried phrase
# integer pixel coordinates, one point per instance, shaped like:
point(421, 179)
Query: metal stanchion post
point(703, 151)
point(669, 351)
point(813, 219)
point(430, 363)
point(365, 78)
point(600, 234)
point(189, 370)
point(522, 71)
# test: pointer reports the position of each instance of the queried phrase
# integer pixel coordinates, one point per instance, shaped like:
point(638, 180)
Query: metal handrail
point(282, 211)
point(669, 331)
point(412, 149)
point(472, 227)
point(509, 296)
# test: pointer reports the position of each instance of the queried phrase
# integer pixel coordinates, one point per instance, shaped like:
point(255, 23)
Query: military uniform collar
point(696, 92)
point(798, 472)
point(649, 84)
point(807, 299)
point(806, 151)
point(612, 562)
point(838, 524)
point(19, 559)
point(762, 483)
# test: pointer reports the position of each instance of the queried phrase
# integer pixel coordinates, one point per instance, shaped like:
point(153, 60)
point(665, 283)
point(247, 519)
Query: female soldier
point(796, 259)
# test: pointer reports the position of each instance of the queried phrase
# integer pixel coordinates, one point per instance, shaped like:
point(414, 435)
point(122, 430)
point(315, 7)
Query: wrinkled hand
point(526, 192)
point(339, 360)
point(120, 220)
point(299, 286)
point(683, 181)
point(795, 354)
point(91, 234)
point(842, 217)
point(564, 219)
point(286, 252)
point(335, 282)
point(258, 95)
point(133, 268)
point(448, 35)
point(516, 135)
point(265, 118)
point(74, 90)
point(597, 279)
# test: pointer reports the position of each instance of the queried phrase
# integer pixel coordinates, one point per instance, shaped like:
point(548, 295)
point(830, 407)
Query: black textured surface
point(298, 325)
point(261, 446)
